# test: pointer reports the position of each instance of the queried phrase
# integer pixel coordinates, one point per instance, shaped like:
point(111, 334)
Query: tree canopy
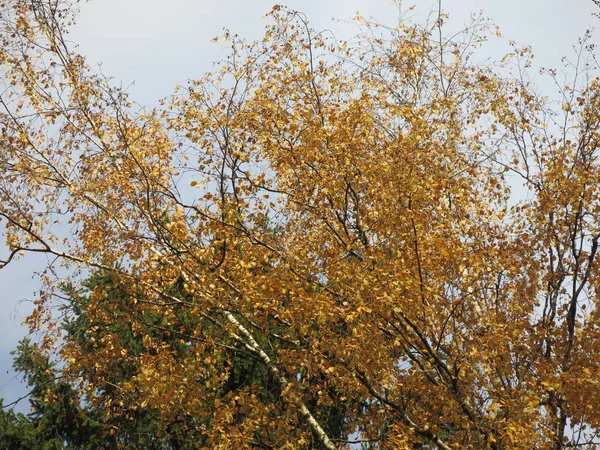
point(321, 244)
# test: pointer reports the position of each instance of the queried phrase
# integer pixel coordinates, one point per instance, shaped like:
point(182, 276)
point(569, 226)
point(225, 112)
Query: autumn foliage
point(323, 242)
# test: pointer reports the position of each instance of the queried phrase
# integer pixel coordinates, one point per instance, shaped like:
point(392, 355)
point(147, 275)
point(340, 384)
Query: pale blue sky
point(157, 43)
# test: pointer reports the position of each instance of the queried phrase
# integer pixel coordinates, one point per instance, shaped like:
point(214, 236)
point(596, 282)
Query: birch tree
point(404, 241)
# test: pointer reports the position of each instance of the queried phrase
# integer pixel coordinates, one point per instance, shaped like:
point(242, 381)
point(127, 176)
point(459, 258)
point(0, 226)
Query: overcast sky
point(155, 44)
